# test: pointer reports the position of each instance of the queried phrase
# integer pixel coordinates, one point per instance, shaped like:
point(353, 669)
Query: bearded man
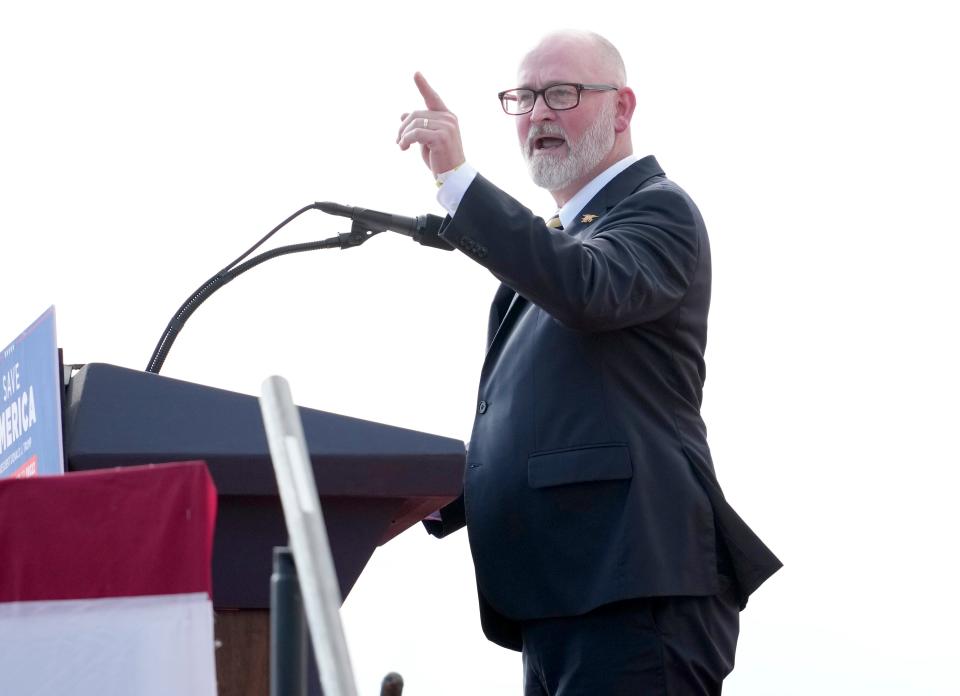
point(604, 548)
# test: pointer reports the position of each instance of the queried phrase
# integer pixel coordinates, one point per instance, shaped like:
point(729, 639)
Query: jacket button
point(482, 408)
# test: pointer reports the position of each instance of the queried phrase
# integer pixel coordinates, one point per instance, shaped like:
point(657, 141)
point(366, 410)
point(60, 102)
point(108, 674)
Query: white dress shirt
point(454, 184)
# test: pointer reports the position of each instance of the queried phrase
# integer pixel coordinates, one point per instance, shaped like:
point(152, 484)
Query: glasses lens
point(562, 96)
point(517, 101)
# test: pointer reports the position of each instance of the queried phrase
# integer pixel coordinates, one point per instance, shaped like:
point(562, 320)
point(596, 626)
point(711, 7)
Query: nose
point(541, 112)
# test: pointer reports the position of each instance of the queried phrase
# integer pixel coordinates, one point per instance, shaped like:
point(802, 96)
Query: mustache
point(543, 129)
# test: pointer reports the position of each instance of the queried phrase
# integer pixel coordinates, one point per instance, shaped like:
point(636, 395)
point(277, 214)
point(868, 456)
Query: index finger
point(431, 99)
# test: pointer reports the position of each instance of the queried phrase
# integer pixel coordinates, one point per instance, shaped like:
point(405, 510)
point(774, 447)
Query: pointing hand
point(436, 130)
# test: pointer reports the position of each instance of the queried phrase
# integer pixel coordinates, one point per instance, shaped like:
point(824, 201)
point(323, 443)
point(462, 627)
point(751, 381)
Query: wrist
point(453, 184)
point(441, 177)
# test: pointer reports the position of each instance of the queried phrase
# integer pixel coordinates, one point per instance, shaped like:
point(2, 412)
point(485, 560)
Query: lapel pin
point(588, 218)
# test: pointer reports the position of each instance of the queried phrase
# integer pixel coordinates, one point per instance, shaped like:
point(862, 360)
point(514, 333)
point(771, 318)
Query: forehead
point(559, 61)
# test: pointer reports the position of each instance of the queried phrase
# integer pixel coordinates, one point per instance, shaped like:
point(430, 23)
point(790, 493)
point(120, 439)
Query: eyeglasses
point(560, 97)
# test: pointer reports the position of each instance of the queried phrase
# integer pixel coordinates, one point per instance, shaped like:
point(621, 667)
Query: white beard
point(553, 172)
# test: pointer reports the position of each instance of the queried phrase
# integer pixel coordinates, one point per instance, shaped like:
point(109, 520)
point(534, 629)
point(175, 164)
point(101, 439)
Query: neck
point(617, 153)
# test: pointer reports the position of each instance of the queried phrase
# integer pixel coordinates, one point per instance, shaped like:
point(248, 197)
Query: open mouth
point(547, 142)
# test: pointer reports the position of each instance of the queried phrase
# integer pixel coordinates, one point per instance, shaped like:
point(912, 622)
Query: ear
point(626, 103)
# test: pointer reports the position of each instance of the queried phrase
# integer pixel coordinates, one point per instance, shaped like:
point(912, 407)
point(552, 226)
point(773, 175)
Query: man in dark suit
point(603, 545)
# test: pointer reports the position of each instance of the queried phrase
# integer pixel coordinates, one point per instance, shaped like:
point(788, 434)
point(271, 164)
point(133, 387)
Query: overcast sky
point(143, 146)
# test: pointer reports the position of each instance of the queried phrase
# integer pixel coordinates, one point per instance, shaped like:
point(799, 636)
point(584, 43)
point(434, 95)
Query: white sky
point(143, 146)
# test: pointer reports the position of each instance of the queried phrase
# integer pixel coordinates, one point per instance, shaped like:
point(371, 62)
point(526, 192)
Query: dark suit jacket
point(589, 479)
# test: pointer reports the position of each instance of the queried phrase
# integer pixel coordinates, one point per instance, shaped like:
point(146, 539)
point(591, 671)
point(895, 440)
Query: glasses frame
point(581, 87)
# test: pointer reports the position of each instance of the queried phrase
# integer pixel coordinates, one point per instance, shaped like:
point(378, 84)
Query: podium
point(374, 481)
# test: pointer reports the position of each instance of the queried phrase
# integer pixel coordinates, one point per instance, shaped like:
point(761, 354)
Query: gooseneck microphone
point(373, 220)
point(424, 229)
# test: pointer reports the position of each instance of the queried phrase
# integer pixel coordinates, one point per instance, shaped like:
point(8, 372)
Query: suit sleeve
point(452, 518)
point(633, 265)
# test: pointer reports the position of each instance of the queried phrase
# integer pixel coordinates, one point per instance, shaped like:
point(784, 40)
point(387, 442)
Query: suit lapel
point(512, 305)
point(621, 186)
point(498, 310)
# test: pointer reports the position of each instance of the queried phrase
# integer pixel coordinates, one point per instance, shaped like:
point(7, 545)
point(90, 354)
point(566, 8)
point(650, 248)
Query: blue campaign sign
point(31, 435)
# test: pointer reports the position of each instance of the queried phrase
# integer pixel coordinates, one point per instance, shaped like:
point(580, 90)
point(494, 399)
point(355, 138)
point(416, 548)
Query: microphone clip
point(358, 234)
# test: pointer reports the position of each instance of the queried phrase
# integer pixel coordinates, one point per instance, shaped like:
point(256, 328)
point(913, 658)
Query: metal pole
point(308, 536)
point(392, 685)
point(288, 629)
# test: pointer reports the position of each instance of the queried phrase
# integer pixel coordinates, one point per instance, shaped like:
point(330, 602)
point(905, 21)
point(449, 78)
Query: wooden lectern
point(374, 482)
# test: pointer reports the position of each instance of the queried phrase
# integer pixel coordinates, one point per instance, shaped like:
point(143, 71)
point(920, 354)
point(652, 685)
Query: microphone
point(424, 229)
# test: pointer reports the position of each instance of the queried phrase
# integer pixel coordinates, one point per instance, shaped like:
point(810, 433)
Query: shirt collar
point(572, 207)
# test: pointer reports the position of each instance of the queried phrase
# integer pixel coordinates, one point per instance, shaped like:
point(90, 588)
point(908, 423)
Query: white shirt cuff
point(453, 185)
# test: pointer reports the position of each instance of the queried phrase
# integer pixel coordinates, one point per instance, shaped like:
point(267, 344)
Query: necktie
point(554, 223)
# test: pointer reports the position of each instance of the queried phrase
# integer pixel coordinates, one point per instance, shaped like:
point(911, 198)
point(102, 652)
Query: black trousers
point(662, 646)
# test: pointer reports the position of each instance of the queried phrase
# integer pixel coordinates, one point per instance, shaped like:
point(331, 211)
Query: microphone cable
point(236, 268)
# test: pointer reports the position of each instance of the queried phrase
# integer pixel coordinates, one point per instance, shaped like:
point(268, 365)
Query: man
point(603, 545)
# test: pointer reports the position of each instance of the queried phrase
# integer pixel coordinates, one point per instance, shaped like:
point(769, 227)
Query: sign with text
point(31, 435)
